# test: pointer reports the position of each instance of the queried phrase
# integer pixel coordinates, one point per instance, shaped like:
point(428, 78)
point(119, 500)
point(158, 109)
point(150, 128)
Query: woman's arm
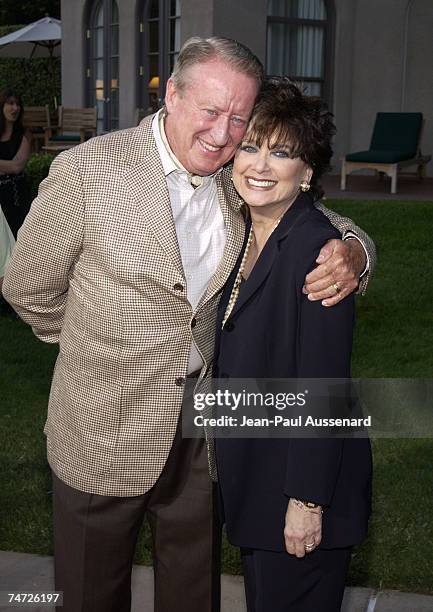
point(324, 351)
point(17, 164)
point(325, 342)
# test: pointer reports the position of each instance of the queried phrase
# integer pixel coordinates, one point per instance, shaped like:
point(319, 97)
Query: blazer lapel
point(146, 183)
point(230, 204)
point(300, 208)
point(258, 274)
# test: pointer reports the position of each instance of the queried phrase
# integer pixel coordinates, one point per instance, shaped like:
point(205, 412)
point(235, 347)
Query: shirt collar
point(167, 156)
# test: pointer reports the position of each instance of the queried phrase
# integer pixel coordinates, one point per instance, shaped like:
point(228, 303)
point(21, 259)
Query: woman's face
point(11, 109)
point(267, 175)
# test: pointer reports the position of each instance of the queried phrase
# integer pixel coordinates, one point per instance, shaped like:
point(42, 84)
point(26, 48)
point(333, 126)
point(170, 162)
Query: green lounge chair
point(394, 144)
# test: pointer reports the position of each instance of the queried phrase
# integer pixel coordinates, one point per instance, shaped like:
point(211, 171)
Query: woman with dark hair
point(295, 506)
point(15, 147)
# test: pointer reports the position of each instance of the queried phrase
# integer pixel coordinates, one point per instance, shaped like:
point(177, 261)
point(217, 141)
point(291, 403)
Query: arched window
point(299, 43)
point(159, 45)
point(103, 62)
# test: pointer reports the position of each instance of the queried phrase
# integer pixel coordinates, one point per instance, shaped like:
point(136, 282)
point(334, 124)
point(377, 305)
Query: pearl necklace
point(238, 280)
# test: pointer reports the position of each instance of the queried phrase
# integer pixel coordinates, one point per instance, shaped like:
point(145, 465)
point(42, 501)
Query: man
point(122, 261)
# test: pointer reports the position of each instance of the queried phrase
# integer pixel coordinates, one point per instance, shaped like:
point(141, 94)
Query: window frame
point(91, 13)
point(328, 26)
point(164, 53)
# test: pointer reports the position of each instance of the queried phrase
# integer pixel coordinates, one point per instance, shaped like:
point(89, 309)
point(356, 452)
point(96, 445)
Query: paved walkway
point(368, 187)
point(23, 573)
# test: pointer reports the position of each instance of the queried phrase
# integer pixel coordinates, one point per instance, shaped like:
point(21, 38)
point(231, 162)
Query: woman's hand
point(303, 528)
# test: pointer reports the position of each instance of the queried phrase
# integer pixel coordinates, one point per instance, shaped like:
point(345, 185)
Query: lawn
point(394, 336)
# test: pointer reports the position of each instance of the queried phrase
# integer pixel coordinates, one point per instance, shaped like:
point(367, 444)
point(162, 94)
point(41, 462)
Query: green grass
point(394, 336)
point(395, 319)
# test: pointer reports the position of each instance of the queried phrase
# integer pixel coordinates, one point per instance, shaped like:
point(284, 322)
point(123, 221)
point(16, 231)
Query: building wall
point(73, 50)
point(382, 57)
point(244, 20)
point(128, 34)
point(381, 64)
point(418, 75)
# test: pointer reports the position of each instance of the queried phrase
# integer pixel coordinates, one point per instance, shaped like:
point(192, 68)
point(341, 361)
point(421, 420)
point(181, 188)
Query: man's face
point(208, 117)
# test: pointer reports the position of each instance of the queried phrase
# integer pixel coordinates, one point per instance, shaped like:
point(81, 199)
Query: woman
point(274, 491)
point(15, 145)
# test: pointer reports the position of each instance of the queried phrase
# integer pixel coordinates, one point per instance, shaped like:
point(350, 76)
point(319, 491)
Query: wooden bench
point(74, 127)
point(37, 119)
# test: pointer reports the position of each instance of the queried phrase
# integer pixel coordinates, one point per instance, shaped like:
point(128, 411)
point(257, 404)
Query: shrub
point(38, 81)
point(36, 170)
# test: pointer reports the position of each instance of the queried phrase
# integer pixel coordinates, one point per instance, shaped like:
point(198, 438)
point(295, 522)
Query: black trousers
point(279, 582)
point(95, 538)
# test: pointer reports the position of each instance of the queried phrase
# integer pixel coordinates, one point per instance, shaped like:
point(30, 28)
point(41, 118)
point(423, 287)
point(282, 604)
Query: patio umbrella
point(39, 39)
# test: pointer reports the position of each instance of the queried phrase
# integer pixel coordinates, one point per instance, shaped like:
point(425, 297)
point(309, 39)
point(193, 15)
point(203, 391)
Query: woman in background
point(294, 506)
point(15, 145)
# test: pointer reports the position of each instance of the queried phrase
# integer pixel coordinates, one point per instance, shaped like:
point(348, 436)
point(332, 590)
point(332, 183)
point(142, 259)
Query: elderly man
point(122, 260)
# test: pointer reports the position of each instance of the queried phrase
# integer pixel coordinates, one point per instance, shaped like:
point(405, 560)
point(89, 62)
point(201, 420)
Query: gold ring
point(336, 287)
point(309, 546)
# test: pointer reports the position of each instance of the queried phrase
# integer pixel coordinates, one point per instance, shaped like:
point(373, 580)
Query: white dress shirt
point(200, 228)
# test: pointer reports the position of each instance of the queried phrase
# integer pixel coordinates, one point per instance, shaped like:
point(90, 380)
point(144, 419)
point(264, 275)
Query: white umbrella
point(39, 39)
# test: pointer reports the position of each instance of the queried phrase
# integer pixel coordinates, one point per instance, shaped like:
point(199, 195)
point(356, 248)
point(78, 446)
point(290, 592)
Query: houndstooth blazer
point(97, 268)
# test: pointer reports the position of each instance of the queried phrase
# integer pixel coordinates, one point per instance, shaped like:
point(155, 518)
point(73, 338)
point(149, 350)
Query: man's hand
point(341, 264)
point(303, 530)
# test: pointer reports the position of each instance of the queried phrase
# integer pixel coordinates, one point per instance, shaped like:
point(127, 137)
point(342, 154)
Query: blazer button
point(179, 381)
point(229, 326)
point(178, 287)
point(193, 322)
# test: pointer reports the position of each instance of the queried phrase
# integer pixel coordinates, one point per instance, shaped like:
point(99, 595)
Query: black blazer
point(274, 331)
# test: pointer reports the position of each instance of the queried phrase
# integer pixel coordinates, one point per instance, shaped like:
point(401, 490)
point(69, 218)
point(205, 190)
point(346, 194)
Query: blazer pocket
point(83, 421)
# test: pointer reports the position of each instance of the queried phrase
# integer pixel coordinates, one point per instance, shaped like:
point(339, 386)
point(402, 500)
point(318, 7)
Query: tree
point(27, 11)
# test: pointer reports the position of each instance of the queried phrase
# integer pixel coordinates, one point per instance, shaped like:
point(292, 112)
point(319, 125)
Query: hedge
point(38, 81)
point(36, 170)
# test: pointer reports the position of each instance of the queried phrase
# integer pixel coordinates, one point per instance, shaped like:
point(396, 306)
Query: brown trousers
point(95, 538)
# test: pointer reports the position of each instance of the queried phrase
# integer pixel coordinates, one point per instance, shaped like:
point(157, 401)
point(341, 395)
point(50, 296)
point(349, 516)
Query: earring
point(304, 185)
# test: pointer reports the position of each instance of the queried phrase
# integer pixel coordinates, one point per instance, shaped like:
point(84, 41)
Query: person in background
point(295, 506)
point(6, 245)
point(15, 145)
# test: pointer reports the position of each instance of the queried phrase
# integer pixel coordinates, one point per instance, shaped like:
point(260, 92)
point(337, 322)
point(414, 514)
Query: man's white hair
point(197, 50)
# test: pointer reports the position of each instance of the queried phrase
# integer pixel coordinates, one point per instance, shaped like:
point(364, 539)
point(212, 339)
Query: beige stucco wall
point(382, 57)
point(73, 50)
point(244, 20)
point(382, 63)
point(418, 78)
